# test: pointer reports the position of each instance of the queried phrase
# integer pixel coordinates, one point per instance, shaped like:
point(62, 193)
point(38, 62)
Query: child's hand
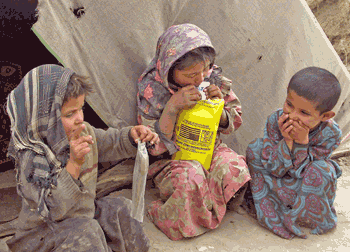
point(185, 98)
point(213, 91)
point(300, 133)
point(286, 126)
point(78, 147)
point(144, 134)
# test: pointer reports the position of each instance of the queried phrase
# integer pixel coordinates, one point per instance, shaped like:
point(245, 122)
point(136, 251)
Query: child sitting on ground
point(56, 155)
point(293, 178)
point(193, 200)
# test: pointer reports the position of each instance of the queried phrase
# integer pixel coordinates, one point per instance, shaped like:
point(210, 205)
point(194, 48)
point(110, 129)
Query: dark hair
point(318, 86)
point(77, 85)
point(195, 56)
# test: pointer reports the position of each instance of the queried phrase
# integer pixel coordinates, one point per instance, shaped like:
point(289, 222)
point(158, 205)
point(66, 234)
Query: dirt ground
point(239, 231)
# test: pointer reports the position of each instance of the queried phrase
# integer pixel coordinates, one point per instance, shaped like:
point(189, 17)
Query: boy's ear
point(327, 115)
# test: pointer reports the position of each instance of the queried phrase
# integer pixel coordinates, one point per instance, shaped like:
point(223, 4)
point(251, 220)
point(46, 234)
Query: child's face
point(300, 109)
point(192, 75)
point(72, 114)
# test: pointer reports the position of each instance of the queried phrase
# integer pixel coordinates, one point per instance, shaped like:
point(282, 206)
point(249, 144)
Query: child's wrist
point(302, 142)
point(73, 168)
point(131, 139)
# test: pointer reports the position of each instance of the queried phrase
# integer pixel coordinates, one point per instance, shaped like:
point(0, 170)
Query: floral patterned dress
point(298, 186)
point(192, 200)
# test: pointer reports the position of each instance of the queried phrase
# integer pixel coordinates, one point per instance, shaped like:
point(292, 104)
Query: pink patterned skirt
point(193, 200)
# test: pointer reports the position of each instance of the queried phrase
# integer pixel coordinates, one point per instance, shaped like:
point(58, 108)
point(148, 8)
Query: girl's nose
point(200, 79)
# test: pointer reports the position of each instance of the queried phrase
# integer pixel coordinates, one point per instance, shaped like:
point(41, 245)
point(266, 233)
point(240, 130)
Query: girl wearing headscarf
point(56, 157)
point(193, 199)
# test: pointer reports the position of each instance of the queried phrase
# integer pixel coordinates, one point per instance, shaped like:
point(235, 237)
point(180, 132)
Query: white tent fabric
point(260, 45)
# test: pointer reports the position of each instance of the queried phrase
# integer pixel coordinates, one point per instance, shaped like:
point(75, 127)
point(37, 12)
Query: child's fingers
point(83, 152)
point(155, 139)
point(211, 87)
point(150, 137)
point(213, 91)
point(76, 133)
point(146, 135)
point(195, 97)
point(189, 90)
point(286, 125)
point(192, 95)
point(297, 125)
point(300, 126)
point(80, 147)
point(281, 120)
point(188, 87)
point(284, 117)
point(141, 132)
point(79, 151)
point(189, 104)
point(82, 139)
point(289, 129)
point(196, 93)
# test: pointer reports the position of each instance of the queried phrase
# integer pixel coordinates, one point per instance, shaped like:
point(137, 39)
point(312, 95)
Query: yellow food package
point(196, 130)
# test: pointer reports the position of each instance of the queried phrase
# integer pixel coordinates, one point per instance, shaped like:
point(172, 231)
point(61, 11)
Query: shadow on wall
point(22, 51)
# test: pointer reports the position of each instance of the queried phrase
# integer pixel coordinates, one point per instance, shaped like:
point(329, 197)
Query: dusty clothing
point(52, 200)
point(112, 230)
point(193, 199)
point(294, 186)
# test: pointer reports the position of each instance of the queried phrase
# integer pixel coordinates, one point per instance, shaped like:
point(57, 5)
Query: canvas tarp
point(260, 45)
